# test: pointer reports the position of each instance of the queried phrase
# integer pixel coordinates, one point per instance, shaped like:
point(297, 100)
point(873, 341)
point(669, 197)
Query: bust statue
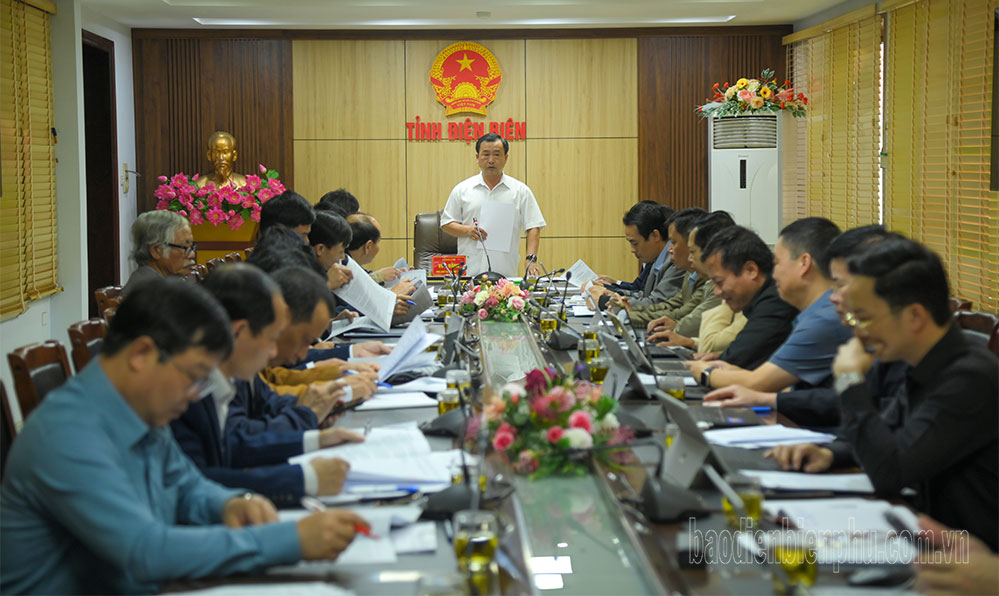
point(222, 154)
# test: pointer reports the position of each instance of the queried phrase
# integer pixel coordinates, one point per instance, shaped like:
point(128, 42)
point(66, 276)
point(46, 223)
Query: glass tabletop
point(508, 352)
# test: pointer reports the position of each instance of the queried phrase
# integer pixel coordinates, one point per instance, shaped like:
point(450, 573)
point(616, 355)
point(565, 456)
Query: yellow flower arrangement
point(754, 96)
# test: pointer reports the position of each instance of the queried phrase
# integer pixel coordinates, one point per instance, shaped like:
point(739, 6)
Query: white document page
point(414, 341)
point(276, 589)
point(397, 400)
point(581, 273)
point(397, 440)
point(428, 384)
point(766, 435)
point(417, 538)
point(421, 296)
point(851, 483)
point(497, 220)
point(367, 296)
point(343, 326)
point(362, 550)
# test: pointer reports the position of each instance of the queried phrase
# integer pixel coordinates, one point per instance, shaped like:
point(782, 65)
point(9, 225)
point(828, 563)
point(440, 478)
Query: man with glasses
point(97, 496)
point(163, 245)
point(946, 445)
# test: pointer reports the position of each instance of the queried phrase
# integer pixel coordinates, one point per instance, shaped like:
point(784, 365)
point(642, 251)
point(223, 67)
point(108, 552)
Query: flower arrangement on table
point(754, 96)
point(227, 204)
point(502, 301)
point(545, 426)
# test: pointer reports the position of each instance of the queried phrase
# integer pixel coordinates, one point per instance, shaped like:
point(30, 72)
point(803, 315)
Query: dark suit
point(258, 408)
point(228, 460)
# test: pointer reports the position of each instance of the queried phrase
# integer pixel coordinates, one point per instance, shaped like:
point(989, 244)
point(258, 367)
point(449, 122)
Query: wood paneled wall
point(186, 88)
point(610, 116)
point(675, 75)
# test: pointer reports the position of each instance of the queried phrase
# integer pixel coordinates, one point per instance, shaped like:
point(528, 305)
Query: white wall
point(121, 35)
point(48, 318)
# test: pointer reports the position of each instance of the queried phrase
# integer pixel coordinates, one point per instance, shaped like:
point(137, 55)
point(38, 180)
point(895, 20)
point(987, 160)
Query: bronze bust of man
point(222, 155)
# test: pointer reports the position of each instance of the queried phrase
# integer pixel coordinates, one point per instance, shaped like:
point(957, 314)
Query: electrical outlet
point(45, 318)
point(124, 178)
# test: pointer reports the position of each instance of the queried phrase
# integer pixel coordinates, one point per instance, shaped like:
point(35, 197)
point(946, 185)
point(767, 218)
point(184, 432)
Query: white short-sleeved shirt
point(465, 203)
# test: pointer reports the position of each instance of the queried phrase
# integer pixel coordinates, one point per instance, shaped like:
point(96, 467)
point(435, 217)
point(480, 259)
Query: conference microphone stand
point(489, 274)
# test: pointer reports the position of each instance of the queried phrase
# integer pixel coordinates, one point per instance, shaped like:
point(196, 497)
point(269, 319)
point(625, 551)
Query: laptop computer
point(690, 449)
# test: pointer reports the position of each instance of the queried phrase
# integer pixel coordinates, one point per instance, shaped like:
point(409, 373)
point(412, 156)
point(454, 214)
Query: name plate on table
point(441, 265)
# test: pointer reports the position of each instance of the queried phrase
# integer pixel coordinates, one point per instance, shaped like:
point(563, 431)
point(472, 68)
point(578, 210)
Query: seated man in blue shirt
point(805, 357)
point(256, 460)
point(98, 498)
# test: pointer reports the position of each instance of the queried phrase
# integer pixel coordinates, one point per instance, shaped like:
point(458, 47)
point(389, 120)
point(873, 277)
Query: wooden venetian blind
point(836, 173)
point(27, 191)
point(938, 80)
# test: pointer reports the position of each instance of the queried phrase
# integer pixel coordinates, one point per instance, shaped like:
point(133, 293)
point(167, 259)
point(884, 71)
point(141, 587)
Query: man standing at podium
point(462, 216)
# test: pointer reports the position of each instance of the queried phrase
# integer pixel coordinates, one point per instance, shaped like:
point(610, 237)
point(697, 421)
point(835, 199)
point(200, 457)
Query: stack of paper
point(845, 530)
point(847, 483)
point(767, 435)
point(395, 400)
point(367, 296)
point(410, 353)
point(428, 384)
point(395, 455)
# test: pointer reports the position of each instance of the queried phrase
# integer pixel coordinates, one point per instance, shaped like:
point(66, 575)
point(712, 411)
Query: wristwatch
point(531, 257)
point(847, 380)
point(706, 376)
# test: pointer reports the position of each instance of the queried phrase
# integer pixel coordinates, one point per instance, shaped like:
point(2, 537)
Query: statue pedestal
point(218, 241)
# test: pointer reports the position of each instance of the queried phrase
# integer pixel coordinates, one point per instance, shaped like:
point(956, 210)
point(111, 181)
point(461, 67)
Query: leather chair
point(109, 312)
point(213, 263)
point(8, 430)
point(233, 257)
point(429, 240)
point(248, 251)
point(104, 297)
point(982, 325)
point(86, 339)
point(957, 304)
point(37, 369)
point(197, 273)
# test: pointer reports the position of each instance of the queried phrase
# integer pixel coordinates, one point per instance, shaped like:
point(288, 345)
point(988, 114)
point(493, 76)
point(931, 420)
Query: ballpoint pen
point(316, 506)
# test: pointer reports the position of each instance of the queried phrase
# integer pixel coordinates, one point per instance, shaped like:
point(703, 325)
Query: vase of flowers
point(229, 205)
point(753, 97)
point(500, 301)
point(552, 424)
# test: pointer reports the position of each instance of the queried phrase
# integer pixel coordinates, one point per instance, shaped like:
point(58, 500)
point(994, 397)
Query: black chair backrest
point(429, 240)
point(86, 339)
point(37, 369)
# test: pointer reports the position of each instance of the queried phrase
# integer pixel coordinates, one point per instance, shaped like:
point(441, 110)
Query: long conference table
point(568, 535)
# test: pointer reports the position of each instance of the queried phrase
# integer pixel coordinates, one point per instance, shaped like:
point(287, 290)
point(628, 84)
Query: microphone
point(489, 274)
point(565, 294)
point(457, 497)
point(564, 337)
point(525, 284)
point(661, 501)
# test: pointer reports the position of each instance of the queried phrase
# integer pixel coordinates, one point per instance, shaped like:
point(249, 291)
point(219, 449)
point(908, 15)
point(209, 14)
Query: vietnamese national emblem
point(465, 77)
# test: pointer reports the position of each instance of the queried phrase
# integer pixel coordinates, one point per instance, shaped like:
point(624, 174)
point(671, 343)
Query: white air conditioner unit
point(744, 171)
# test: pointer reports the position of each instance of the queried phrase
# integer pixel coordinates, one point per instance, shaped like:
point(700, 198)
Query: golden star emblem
point(465, 62)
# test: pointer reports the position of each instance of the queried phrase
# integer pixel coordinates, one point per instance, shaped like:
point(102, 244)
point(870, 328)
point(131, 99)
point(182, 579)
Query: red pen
point(362, 529)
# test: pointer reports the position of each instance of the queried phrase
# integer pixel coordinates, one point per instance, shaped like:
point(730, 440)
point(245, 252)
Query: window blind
point(938, 102)
point(27, 159)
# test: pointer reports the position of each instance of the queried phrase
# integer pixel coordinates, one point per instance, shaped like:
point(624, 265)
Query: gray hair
point(154, 228)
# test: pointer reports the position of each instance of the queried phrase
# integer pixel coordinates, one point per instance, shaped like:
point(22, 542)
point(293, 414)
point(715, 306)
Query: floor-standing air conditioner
point(744, 171)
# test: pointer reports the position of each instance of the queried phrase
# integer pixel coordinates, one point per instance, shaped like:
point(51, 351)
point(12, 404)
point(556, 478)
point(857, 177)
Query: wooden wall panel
point(421, 100)
point(583, 185)
point(186, 89)
point(349, 89)
point(392, 249)
point(374, 171)
point(675, 75)
point(433, 169)
point(582, 88)
point(606, 256)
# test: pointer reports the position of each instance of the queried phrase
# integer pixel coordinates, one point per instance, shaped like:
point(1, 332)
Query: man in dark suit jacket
point(250, 456)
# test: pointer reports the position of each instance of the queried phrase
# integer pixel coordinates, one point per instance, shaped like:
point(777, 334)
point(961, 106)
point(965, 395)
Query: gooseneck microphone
point(489, 274)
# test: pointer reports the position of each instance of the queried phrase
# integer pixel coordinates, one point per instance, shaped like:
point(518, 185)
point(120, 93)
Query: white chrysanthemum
point(753, 85)
point(730, 92)
point(609, 423)
point(578, 438)
point(481, 297)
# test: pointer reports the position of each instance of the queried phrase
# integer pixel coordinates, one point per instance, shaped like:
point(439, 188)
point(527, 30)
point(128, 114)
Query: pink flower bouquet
point(754, 96)
point(544, 427)
point(228, 205)
point(502, 301)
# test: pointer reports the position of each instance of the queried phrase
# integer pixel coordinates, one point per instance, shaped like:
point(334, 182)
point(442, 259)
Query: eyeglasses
point(851, 320)
point(198, 383)
point(188, 250)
